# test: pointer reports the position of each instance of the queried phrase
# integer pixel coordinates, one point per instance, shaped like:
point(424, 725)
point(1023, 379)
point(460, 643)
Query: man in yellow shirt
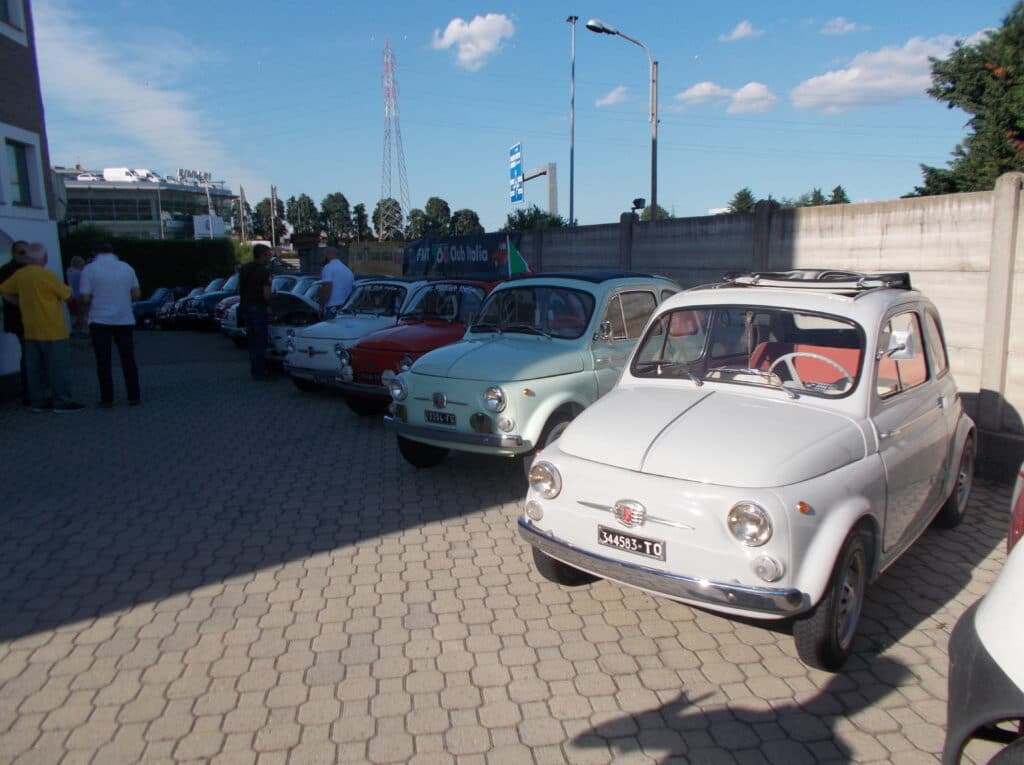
point(41, 294)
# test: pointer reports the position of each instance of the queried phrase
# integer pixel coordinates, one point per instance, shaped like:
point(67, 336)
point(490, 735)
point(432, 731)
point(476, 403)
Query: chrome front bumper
point(332, 379)
point(769, 602)
point(514, 444)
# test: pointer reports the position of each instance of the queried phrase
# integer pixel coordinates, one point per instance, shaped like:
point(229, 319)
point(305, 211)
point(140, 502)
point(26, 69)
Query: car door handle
point(942, 402)
point(887, 434)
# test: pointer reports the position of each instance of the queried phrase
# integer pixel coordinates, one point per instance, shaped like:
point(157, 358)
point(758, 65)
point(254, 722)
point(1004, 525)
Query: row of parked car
point(763, 447)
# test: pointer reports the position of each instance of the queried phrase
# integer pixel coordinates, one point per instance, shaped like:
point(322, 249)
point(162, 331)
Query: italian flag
point(516, 263)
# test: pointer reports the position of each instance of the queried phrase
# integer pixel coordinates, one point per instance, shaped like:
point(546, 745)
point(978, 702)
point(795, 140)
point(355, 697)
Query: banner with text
point(484, 257)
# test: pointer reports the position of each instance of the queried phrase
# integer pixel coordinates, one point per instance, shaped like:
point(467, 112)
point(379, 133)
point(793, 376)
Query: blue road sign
point(515, 173)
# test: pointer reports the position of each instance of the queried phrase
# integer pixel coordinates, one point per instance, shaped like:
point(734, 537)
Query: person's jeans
point(48, 364)
point(256, 332)
point(121, 335)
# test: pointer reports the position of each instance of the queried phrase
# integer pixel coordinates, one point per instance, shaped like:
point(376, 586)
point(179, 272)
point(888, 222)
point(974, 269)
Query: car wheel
point(560, 573)
point(421, 455)
point(953, 510)
point(1011, 755)
point(366, 407)
point(824, 637)
point(552, 430)
point(306, 386)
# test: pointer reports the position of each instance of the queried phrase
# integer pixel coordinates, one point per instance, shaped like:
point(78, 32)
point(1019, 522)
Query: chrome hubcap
point(850, 601)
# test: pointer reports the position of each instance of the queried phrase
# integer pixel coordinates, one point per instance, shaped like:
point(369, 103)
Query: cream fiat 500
point(774, 444)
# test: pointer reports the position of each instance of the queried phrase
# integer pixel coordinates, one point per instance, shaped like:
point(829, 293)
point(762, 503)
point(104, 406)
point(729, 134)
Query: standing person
point(40, 294)
point(12, 312)
point(254, 297)
point(337, 286)
point(108, 289)
point(74, 279)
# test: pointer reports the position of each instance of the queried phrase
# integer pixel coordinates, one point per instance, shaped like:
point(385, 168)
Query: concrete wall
point(965, 251)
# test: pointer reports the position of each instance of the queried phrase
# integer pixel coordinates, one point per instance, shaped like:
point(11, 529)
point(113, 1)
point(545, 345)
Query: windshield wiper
point(485, 327)
point(649, 365)
point(769, 377)
point(526, 328)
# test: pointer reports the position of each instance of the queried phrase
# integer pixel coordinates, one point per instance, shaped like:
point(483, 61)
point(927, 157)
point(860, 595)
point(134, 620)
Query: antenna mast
point(392, 214)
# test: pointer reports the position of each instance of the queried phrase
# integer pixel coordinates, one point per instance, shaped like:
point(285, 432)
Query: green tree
point(529, 218)
point(438, 217)
point(743, 201)
point(663, 214)
point(387, 210)
point(986, 80)
point(466, 222)
point(416, 224)
point(838, 196)
point(336, 218)
point(361, 224)
point(817, 198)
point(303, 215)
point(261, 228)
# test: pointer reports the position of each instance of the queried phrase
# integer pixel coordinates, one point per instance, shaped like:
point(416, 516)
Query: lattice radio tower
point(392, 216)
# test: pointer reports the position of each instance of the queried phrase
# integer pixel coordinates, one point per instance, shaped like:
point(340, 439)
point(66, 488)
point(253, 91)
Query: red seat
point(809, 370)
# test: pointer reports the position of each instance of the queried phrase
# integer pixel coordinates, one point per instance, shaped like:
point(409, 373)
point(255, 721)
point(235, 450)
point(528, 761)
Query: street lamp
point(599, 27)
point(572, 121)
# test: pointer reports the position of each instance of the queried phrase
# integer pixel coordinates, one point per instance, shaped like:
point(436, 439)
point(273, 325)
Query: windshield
point(777, 347)
point(214, 285)
point(195, 291)
point(376, 299)
point(283, 283)
point(551, 311)
point(231, 283)
point(454, 302)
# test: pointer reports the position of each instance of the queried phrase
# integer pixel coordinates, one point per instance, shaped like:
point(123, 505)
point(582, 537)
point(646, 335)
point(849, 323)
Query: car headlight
point(545, 479)
point(494, 399)
point(750, 524)
point(341, 353)
point(397, 389)
point(405, 364)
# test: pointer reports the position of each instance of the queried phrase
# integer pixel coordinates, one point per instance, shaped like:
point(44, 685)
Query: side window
point(728, 335)
point(637, 308)
point(902, 364)
point(936, 345)
point(613, 315)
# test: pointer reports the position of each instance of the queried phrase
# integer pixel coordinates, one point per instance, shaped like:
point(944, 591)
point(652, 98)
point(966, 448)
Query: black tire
point(955, 507)
point(306, 386)
point(1011, 755)
point(824, 637)
point(560, 573)
point(553, 428)
point(421, 455)
point(366, 407)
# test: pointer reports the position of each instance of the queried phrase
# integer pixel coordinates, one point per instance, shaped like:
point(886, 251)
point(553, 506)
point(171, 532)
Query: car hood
point(347, 327)
point(712, 437)
point(502, 357)
point(415, 337)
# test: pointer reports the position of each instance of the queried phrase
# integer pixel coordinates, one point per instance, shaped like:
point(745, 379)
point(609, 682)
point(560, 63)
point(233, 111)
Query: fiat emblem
point(440, 401)
point(630, 513)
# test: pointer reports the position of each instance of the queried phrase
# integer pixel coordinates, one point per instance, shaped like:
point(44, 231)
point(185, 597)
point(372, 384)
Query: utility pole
point(273, 214)
point(572, 122)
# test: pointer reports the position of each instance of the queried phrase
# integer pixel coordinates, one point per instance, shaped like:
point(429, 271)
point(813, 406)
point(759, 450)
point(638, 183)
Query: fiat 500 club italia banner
point(488, 256)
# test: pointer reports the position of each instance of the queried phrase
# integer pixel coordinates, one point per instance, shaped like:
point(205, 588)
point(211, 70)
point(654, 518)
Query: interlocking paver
point(160, 605)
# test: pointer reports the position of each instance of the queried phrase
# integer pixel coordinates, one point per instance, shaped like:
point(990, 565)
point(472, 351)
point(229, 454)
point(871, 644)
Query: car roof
point(595, 276)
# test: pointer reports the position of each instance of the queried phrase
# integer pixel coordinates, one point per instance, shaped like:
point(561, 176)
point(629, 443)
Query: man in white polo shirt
point(108, 288)
point(337, 283)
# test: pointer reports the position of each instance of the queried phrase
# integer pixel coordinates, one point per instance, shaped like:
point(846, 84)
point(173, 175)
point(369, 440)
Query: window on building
point(19, 187)
point(12, 20)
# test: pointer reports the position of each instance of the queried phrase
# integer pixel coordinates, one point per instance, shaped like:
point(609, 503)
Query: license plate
point(649, 548)
point(441, 418)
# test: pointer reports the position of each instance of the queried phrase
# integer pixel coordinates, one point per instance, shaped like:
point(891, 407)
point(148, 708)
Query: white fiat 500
point(774, 444)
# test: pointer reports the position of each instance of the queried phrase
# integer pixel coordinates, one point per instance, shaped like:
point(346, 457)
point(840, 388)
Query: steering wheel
point(787, 359)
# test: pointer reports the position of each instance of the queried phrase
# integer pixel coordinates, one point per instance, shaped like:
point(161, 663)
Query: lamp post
point(601, 28)
point(572, 121)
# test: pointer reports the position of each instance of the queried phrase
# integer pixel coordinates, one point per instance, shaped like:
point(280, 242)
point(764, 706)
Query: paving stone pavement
point(238, 572)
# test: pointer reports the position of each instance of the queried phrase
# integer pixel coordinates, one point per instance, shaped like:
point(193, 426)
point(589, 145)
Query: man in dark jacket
point(12, 312)
point(254, 297)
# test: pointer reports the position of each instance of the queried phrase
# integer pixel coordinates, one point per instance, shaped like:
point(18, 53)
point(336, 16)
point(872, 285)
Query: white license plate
point(649, 548)
point(440, 418)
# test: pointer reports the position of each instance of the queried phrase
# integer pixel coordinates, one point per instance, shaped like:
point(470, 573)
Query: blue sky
point(780, 97)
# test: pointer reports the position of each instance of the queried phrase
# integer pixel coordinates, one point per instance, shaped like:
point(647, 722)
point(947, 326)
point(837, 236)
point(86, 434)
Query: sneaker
point(66, 408)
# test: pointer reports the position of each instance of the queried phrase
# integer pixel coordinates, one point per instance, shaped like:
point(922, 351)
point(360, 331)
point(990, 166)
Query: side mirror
point(604, 331)
point(902, 346)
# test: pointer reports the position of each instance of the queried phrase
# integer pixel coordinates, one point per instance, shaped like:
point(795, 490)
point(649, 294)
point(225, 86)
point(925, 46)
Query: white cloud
point(752, 97)
point(874, 77)
point(119, 103)
point(741, 31)
point(703, 92)
point(615, 96)
point(476, 39)
point(841, 25)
